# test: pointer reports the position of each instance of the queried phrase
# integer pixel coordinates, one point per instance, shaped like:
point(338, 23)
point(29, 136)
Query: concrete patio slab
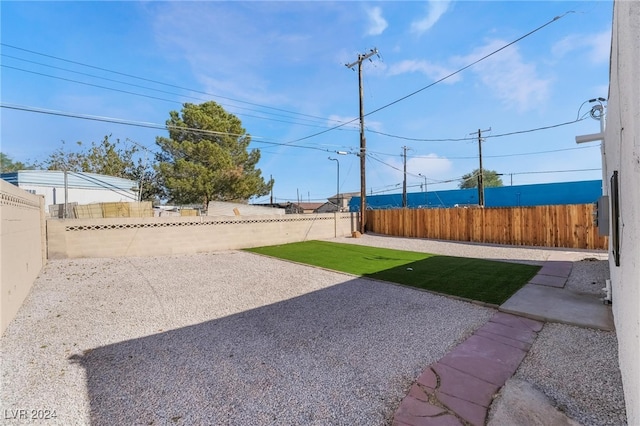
point(556, 268)
point(560, 305)
point(549, 280)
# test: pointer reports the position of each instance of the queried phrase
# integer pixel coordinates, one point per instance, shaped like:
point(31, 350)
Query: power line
point(315, 120)
point(439, 80)
point(471, 64)
point(555, 171)
point(552, 126)
point(155, 97)
point(429, 157)
point(149, 125)
point(158, 82)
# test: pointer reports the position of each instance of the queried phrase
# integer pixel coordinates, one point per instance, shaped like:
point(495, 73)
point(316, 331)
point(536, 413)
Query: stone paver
point(517, 321)
point(525, 336)
point(464, 386)
point(485, 359)
point(507, 341)
point(460, 387)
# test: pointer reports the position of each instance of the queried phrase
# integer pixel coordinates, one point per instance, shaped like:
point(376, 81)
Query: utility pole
point(339, 205)
point(404, 180)
point(363, 143)
point(480, 171)
point(271, 197)
point(66, 194)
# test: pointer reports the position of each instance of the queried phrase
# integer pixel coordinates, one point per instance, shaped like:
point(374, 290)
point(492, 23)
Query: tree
point(106, 158)
point(490, 178)
point(8, 165)
point(205, 157)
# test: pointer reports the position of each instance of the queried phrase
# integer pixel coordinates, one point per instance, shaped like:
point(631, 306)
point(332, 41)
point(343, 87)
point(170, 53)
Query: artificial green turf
point(477, 279)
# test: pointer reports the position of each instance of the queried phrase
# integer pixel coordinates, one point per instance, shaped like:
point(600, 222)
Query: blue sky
point(280, 67)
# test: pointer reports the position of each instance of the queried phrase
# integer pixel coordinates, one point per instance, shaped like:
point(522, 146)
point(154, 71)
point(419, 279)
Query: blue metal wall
point(582, 192)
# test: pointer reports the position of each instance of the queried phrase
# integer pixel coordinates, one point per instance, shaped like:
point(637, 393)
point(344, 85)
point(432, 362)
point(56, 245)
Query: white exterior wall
point(622, 147)
point(82, 188)
point(80, 195)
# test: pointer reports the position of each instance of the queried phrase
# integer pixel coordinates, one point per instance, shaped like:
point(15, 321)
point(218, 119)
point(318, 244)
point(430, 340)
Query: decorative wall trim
point(7, 199)
point(108, 227)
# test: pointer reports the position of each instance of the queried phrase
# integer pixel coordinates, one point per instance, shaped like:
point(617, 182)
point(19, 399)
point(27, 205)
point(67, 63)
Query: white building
point(81, 188)
point(622, 173)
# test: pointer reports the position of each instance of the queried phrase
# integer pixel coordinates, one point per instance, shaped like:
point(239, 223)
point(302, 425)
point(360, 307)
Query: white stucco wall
point(622, 146)
point(82, 188)
point(80, 195)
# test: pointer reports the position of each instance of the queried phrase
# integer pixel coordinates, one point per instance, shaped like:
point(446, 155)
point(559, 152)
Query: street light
point(426, 201)
point(337, 183)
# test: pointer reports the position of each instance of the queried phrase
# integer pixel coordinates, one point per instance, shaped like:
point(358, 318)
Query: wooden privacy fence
point(569, 226)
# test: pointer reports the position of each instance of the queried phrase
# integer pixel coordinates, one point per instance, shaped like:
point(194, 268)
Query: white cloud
point(431, 165)
point(597, 46)
point(436, 9)
point(435, 72)
point(600, 45)
point(377, 23)
point(512, 80)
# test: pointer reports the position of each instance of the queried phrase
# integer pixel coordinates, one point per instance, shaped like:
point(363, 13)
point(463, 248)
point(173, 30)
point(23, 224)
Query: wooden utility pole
point(271, 197)
point(404, 180)
point(363, 142)
point(480, 170)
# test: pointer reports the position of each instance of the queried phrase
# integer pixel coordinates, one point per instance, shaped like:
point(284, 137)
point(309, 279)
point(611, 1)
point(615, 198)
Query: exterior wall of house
point(22, 247)
point(82, 188)
point(183, 235)
point(622, 153)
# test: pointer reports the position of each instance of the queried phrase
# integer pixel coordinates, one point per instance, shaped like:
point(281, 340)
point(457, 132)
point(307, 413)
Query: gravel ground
point(588, 276)
point(224, 338)
point(577, 369)
point(520, 254)
point(236, 338)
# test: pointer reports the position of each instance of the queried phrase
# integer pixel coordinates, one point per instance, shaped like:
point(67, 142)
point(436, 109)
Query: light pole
point(337, 183)
point(426, 201)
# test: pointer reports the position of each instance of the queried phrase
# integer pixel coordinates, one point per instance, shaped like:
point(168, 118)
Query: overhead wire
point(471, 64)
point(475, 157)
point(151, 125)
point(439, 80)
point(158, 82)
point(315, 120)
point(519, 132)
point(113, 89)
point(342, 124)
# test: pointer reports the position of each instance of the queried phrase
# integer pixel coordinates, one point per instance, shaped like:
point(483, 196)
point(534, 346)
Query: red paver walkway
point(459, 388)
